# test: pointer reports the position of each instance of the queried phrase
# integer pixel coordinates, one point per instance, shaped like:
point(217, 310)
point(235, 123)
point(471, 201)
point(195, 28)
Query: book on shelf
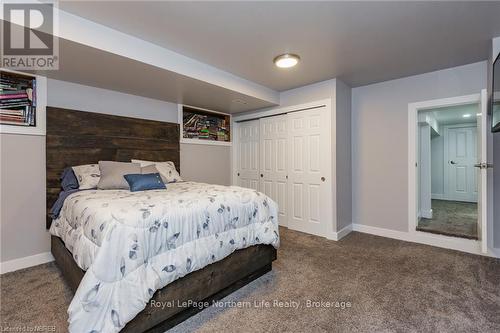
point(17, 100)
point(205, 126)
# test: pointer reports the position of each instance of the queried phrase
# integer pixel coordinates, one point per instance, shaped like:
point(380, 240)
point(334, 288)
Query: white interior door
point(309, 171)
point(273, 162)
point(481, 169)
point(462, 155)
point(248, 154)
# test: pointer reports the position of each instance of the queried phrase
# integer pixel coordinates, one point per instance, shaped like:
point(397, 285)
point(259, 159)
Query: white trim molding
point(205, 142)
point(446, 242)
point(25, 262)
point(336, 236)
point(437, 196)
point(413, 235)
point(274, 111)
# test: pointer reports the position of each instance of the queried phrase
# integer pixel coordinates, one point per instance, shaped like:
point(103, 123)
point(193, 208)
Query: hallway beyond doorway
point(451, 218)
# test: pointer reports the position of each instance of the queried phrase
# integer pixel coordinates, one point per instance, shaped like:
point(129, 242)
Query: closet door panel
point(309, 154)
point(273, 162)
point(248, 155)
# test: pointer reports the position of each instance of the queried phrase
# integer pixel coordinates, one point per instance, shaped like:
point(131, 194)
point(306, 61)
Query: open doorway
point(424, 212)
point(448, 179)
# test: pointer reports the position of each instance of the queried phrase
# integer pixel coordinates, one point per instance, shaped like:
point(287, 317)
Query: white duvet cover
point(133, 243)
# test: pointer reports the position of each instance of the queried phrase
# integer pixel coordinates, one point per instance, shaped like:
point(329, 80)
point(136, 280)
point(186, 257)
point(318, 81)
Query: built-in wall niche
point(23, 99)
point(202, 126)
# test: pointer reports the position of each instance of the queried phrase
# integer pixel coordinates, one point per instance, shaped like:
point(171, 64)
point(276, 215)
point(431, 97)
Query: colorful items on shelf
point(204, 125)
point(17, 100)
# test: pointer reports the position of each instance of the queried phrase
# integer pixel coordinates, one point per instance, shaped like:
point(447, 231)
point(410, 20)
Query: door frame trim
point(461, 244)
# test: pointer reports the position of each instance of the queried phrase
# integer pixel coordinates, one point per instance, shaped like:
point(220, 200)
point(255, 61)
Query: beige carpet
point(392, 286)
point(451, 218)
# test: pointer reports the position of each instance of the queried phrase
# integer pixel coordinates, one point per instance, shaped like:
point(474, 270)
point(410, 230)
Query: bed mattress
point(132, 243)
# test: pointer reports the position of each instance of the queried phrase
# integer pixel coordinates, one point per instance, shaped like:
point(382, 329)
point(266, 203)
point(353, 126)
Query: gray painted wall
point(22, 176)
point(206, 164)
point(343, 154)
point(437, 166)
point(380, 139)
point(22, 196)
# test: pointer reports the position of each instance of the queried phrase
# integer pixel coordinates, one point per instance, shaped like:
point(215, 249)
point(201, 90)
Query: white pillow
point(88, 175)
point(166, 169)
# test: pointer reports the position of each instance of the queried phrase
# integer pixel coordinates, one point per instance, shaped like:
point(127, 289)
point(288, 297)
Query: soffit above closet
point(357, 42)
point(97, 68)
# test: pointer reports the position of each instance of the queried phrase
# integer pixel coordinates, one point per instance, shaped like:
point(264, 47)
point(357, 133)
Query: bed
point(145, 261)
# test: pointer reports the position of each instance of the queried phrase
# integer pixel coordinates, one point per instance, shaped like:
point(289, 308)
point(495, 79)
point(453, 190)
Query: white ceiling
point(455, 114)
point(358, 42)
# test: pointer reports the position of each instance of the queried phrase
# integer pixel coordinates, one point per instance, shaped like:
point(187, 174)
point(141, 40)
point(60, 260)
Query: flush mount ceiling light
point(286, 60)
point(466, 115)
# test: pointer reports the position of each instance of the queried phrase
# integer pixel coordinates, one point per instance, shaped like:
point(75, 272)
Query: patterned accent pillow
point(166, 169)
point(88, 176)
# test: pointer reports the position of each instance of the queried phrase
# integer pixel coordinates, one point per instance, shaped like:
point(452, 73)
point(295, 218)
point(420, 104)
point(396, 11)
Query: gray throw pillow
point(149, 169)
point(112, 174)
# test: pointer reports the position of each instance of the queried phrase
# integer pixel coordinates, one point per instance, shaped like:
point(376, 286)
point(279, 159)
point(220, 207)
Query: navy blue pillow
point(69, 180)
point(143, 182)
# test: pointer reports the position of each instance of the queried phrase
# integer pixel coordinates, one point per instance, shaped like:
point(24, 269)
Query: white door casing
point(273, 162)
point(460, 156)
point(482, 171)
point(309, 161)
point(484, 181)
point(248, 154)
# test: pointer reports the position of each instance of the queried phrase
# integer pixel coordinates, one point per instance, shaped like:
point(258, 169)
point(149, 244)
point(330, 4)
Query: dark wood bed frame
point(76, 138)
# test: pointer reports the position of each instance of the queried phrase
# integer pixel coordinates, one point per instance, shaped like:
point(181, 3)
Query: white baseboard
point(25, 262)
point(341, 233)
point(426, 214)
point(447, 242)
point(437, 196)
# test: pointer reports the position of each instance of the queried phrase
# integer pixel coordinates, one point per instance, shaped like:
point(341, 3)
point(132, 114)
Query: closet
point(288, 157)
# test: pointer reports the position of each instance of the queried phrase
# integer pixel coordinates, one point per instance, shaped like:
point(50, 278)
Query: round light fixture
point(286, 60)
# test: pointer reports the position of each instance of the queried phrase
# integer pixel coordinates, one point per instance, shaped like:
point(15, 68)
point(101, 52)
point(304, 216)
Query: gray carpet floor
point(391, 286)
point(451, 218)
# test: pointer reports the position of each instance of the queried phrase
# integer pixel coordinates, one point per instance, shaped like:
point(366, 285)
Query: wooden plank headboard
point(77, 137)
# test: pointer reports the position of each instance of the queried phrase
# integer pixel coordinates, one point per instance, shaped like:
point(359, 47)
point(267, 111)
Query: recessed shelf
point(23, 99)
point(205, 127)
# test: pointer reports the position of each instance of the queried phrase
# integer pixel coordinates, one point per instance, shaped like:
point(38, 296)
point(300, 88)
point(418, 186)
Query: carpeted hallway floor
point(451, 218)
point(392, 286)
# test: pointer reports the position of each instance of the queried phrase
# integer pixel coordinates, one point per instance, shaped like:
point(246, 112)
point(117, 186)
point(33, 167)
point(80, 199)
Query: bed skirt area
point(211, 283)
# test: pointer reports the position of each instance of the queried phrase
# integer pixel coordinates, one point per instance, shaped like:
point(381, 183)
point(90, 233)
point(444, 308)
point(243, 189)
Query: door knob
point(483, 165)
point(261, 175)
point(238, 174)
point(453, 162)
point(323, 179)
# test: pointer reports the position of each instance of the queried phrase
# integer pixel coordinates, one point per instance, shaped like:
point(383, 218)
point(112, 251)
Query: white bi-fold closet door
point(309, 171)
point(274, 161)
point(294, 165)
point(248, 155)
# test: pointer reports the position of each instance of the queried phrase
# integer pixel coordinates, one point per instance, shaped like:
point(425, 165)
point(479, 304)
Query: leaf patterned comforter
point(133, 243)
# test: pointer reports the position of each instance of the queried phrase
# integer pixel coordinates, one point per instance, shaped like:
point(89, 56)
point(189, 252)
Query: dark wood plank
point(87, 141)
point(78, 137)
point(211, 283)
point(64, 121)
